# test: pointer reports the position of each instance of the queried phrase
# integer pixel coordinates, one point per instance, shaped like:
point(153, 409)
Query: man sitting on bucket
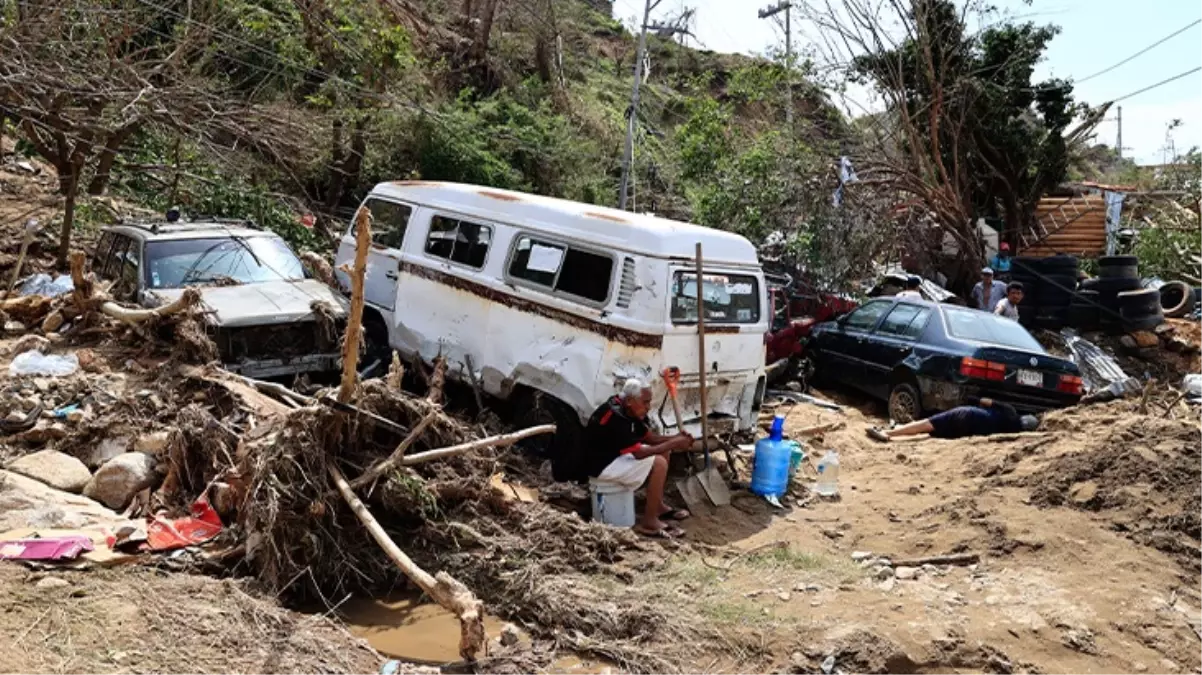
point(623, 451)
point(983, 419)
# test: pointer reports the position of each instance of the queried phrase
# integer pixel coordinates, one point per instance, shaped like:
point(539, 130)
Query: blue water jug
point(770, 477)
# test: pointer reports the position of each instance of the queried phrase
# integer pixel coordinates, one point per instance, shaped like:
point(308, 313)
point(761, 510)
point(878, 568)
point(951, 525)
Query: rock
point(15, 417)
point(25, 502)
point(76, 416)
point(152, 444)
point(884, 573)
point(1128, 343)
point(859, 556)
point(106, 450)
point(42, 384)
point(1139, 667)
point(931, 570)
point(906, 573)
point(27, 343)
point(884, 561)
point(992, 600)
point(1083, 492)
point(52, 582)
point(887, 585)
point(807, 588)
point(58, 470)
point(122, 477)
point(1146, 339)
point(510, 635)
point(784, 596)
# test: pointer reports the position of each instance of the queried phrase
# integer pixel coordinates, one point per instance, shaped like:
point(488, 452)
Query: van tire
point(565, 448)
point(375, 337)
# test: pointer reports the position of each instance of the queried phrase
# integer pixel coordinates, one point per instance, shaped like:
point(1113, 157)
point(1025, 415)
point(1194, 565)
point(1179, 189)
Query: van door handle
point(391, 275)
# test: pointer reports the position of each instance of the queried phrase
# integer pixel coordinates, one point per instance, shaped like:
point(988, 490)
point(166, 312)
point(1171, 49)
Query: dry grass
point(140, 620)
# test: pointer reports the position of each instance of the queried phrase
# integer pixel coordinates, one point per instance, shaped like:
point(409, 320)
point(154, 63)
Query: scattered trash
point(1098, 369)
point(63, 412)
point(48, 365)
point(163, 534)
point(44, 284)
point(50, 548)
point(828, 664)
point(805, 398)
point(390, 667)
point(1193, 385)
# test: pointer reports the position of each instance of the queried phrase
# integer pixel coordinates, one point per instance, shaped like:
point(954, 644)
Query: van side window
point(459, 241)
point(563, 268)
point(389, 221)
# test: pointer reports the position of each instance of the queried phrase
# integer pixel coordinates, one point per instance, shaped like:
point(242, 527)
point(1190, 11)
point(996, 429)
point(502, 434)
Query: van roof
point(601, 225)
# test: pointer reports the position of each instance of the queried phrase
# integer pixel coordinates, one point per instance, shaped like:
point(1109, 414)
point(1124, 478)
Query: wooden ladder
point(1039, 231)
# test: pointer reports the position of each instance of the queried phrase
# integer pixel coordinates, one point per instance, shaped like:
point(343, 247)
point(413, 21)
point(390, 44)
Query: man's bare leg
point(911, 429)
point(650, 521)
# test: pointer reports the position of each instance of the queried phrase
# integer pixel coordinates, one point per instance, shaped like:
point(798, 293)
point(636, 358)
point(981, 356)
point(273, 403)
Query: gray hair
point(633, 388)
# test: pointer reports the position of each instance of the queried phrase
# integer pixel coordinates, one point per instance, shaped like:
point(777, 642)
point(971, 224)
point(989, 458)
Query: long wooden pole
point(354, 326)
point(443, 588)
point(501, 441)
point(705, 427)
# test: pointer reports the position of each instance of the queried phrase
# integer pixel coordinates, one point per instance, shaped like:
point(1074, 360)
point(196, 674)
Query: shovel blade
point(693, 494)
point(715, 486)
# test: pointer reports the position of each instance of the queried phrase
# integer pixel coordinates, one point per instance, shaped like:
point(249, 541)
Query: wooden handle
point(701, 355)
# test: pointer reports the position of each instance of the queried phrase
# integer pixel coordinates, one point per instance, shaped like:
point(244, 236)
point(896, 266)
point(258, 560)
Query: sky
point(1095, 35)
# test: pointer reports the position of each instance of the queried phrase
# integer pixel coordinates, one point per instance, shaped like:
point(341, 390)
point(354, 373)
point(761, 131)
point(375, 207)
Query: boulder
point(106, 450)
point(122, 477)
point(906, 573)
point(58, 470)
point(27, 503)
point(153, 443)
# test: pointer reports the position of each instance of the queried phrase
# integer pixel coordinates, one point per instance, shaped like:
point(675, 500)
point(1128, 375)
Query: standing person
point(1008, 306)
point(1001, 262)
point(623, 451)
point(987, 293)
point(982, 419)
point(912, 284)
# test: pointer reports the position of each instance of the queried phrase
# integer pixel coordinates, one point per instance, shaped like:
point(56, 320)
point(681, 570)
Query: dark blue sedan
point(923, 357)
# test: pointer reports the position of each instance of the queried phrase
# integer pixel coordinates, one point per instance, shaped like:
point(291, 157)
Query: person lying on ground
point(623, 451)
point(1008, 306)
point(984, 418)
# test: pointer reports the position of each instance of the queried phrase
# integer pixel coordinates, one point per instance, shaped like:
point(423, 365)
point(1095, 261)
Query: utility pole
point(785, 6)
point(633, 112)
point(1119, 144)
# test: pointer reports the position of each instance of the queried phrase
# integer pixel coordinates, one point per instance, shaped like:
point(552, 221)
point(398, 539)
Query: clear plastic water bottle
point(828, 475)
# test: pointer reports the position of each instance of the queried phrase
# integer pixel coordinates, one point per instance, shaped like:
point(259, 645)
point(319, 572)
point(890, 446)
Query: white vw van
point(555, 303)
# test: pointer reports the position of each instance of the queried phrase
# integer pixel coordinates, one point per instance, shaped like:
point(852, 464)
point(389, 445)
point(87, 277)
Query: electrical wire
point(1139, 53)
point(1153, 86)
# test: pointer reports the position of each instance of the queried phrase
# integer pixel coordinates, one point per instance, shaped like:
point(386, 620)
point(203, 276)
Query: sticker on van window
point(739, 289)
point(544, 259)
point(744, 315)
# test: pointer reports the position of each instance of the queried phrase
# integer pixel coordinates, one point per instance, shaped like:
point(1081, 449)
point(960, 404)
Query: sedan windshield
point(217, 260)
point(971, 324)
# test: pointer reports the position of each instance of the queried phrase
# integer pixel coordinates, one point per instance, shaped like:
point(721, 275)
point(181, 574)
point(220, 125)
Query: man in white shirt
point(1008, 306)
point(912, 284)
point(987, 293)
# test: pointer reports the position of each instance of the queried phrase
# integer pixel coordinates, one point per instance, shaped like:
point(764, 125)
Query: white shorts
point(627, 471)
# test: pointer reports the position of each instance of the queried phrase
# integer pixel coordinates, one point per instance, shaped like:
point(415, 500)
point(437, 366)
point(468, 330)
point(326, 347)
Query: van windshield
point(727, 298)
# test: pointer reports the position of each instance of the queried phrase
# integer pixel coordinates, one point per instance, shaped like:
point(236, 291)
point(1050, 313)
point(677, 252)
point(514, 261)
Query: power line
point(1139, 53)
point(1150, 87)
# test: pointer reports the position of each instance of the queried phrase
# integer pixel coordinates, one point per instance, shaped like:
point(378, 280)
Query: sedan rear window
point(727, 298)
point(970, 324)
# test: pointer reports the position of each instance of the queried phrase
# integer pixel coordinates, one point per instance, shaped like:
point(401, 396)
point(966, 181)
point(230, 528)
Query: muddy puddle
point(404, 627)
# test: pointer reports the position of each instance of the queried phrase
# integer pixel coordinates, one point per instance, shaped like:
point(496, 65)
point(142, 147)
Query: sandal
point(878, 435)
point(675, 514)
point(662, 533)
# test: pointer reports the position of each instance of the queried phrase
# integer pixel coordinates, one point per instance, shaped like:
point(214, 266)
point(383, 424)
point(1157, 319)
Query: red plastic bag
point(165, 534)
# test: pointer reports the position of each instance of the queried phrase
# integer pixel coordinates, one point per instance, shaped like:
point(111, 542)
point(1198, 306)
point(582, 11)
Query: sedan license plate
point(1030, 378)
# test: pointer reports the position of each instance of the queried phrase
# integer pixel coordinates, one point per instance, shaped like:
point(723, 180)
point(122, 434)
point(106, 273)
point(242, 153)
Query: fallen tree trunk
point(448, 592)
point(189, 299)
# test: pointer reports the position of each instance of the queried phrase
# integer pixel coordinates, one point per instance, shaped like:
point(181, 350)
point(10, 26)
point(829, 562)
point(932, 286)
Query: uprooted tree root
point(528, 562)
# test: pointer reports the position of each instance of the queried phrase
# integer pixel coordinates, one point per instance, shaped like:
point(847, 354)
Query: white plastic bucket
point(612, 504)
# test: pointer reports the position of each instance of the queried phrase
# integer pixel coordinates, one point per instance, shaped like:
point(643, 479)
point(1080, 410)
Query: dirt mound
point(1142, 471)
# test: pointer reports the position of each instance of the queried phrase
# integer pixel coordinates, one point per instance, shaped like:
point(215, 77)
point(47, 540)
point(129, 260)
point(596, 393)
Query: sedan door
point(891, 343)
point(847, 343)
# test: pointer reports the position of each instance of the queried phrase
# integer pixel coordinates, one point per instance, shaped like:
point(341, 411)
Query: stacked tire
point(1140, 310)
point(1177, 299)
point(1057, 290)
point(1118, 274)
point(1029, 273)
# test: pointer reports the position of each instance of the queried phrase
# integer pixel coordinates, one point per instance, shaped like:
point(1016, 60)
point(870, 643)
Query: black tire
point(1146, 323)
point(1176, 299)
point(1088, 285)
point(1138, 304)
point(565, 448)
point(1057, 290)
point(1085, 297)
point(1026, 314)
point(1117, 261)
point(1084, 317)
point(376, 346)
point(905, 403)
point(1061, 264)
point(1051, 318)
point(1115, 286)
point(1026, 267)
point(1129, 272)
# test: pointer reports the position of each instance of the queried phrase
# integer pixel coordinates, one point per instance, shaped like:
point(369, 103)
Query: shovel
point(708, 483)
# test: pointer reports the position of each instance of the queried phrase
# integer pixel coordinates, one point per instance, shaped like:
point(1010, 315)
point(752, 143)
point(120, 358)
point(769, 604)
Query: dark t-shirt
point(611, 432)
point(971, 420)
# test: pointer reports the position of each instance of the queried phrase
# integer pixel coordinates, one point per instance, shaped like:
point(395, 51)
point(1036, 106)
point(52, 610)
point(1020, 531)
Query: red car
point(796, 307)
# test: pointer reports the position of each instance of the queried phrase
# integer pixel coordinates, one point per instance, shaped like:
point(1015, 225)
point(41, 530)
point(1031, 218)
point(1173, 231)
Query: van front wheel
point(565, 447)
